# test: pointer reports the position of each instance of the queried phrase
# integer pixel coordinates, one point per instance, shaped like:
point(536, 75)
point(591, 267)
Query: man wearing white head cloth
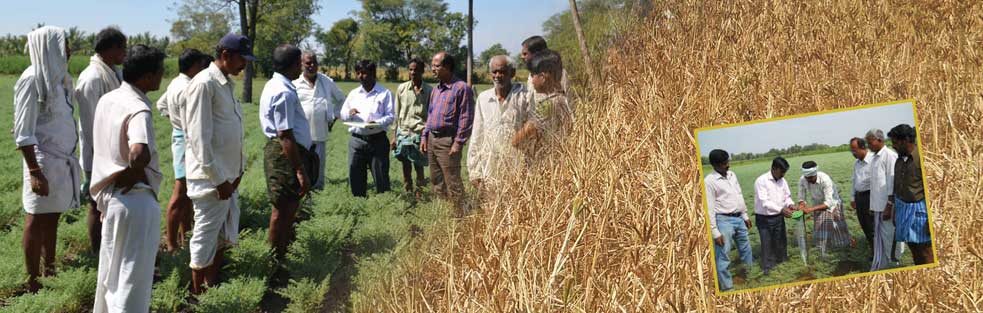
point(125, 181)
point(44, 131)
point(881, 189)
point(824, 202)
point(99, 78)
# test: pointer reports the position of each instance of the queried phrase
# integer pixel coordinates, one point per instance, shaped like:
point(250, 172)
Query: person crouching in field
point(550, 114)
point(125, 181)
point(179, 213)
point(99, 78)
point(44, 131)
point(829, 223)
point(500, 111)
point(910, 211)
point(412, 103)
point(287, 158)
point(729, 221)
point(215, 158)
point(772, 204)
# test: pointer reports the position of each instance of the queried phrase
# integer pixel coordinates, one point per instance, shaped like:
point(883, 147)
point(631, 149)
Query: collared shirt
point(279, 110)
point(494, 125)
point(770, 195)
point(724, 196)
point(861, 173)
point(95, 81)
point(908, 185)
point(322, 102)
point(213, 128)
point(411, 108)
point(823, 191)
point(376, 105)
point(50, 126)
point(450, 110)
point(881, 178)
point(170, 104)
point(124, 119)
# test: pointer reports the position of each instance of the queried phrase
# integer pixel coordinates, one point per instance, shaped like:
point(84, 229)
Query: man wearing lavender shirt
point(448, 128)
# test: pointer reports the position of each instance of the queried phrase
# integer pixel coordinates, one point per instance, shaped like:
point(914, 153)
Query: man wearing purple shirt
point(448, 128)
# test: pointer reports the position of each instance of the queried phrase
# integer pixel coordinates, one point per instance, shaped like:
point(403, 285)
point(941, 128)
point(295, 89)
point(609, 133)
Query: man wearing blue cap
point(214, 159)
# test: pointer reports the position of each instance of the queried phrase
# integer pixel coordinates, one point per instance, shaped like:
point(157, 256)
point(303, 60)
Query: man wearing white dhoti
point(170, 104)
point(44, 131)
point(881, 188)
point(125, 180)
point(499, 113)
point(99, 78)
point(321, 99)
point(214, 159)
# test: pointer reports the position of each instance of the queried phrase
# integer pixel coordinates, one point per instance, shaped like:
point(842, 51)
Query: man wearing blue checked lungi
point(910, 212)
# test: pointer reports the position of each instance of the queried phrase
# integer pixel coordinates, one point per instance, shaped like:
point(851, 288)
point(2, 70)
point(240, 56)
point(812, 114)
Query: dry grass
point(638, 243)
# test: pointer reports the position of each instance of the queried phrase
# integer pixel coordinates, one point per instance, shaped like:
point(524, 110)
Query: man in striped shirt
point(449, 119)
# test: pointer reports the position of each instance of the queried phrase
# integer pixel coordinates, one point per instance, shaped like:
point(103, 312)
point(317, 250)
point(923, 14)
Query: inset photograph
point(815, 197)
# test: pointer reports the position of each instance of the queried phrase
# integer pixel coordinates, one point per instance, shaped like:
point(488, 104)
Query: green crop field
point(839, 166)
point(334, 233)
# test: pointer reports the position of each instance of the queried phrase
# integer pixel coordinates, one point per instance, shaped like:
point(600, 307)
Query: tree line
point(814, 148)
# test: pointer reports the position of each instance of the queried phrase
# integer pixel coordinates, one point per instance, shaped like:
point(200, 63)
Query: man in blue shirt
point(287, 158)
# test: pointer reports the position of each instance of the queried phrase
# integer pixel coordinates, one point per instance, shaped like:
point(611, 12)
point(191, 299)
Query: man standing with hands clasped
point(215, 159)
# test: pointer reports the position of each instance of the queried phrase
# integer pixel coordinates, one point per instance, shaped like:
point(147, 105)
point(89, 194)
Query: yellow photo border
point(706, 215)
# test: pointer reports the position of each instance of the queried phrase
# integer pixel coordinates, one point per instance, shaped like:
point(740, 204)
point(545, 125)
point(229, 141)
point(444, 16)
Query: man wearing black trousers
point(772, 204)
point(861, 189)
point(368, 147)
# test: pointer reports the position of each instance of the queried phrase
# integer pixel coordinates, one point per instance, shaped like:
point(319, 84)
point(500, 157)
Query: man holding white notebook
point(368, 111)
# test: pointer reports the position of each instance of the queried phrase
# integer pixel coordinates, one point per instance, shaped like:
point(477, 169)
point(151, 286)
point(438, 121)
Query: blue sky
point(833, 129)
point(505, 21)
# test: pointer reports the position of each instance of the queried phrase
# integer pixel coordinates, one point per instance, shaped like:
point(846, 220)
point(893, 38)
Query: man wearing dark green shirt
point(911, 213)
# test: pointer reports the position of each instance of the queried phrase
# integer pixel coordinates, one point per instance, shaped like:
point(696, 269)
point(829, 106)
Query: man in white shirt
point(99, 78)
point(772, 204)
point(729, 222)
point(886, 250)
point(44, 132)
point(125, 180)
point(500, 111)
point(819, 195)
point(215, 159)
point(179, 213)
point(287, 160)
point(321, 99)
point(372, 103)
point(861, 188)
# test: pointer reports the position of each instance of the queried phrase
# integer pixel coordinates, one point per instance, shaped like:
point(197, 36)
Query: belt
point(439, 133)
point(735, 214)
point(863, 192)
point(370, 137)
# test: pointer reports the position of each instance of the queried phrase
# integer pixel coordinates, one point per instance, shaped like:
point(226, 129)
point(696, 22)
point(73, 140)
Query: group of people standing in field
point(887, 196)
point(119, 175)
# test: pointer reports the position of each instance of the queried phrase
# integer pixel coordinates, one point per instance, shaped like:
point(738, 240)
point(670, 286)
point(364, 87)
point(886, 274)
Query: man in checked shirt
point(448, 128)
